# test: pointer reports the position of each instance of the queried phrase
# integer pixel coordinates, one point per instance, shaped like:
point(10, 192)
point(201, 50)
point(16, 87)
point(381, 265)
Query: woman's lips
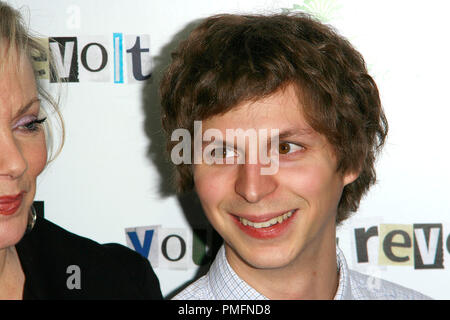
point(10, 204)
point(266, 228)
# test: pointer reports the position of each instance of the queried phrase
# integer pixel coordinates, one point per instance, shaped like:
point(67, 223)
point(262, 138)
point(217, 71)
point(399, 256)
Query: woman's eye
point(29, 124)
point(288, 147)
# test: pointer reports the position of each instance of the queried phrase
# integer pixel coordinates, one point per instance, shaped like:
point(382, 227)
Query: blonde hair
point(17, 40)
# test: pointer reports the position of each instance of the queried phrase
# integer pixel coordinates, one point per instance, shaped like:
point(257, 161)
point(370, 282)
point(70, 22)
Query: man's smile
point(265, 226)
point(269, 222)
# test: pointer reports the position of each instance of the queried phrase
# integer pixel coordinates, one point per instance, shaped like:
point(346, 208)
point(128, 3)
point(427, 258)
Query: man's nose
point(12, 161)
point(253, 186)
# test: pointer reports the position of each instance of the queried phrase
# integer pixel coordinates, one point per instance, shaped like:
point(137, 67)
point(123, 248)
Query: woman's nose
point(12, 161)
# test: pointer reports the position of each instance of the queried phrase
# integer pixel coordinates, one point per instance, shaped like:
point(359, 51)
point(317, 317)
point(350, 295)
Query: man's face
point(269, 221)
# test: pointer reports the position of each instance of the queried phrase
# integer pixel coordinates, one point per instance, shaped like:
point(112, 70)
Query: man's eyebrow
point(217, 142)
point(27, 106)
point(293, 133)
point(286, 133)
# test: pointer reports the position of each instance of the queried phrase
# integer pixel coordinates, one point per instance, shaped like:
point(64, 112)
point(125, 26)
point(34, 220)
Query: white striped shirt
point(222, 283)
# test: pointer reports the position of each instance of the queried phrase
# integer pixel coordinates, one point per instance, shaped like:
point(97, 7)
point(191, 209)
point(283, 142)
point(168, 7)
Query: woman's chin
point(12, 231)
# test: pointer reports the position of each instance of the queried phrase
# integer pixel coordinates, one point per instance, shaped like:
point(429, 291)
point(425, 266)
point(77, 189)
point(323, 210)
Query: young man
point(309, 88)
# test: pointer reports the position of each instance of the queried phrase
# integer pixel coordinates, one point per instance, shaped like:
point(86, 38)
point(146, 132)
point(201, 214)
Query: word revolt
point(119, 58)
point(174, 248)
point(418, 245)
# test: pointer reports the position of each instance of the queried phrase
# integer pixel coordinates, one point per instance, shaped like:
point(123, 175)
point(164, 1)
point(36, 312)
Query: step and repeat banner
point(112, 182)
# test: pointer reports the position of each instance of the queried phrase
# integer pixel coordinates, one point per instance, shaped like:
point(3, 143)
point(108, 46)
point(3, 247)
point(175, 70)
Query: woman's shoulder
point(70, 266)
point(50, 239)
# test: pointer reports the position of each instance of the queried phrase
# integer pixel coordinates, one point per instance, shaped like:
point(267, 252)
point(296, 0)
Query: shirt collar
point(227, 285)
point(343, 291)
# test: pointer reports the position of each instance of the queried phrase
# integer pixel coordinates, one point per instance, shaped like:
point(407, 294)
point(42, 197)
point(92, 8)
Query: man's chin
point(265, 258)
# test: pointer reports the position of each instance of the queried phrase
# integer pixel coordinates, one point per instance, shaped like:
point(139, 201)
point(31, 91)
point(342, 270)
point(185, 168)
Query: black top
point(61, 265)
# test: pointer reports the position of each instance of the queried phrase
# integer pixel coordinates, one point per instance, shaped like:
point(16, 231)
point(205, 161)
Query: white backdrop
point(110, 176)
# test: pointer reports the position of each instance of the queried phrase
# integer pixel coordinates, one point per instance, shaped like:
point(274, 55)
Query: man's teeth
point(267, 223)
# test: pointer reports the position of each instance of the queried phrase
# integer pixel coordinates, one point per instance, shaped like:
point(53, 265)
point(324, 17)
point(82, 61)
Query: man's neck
point(312, 275)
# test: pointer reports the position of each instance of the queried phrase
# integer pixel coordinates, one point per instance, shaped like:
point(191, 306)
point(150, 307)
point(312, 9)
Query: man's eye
point(288, 147)
point(223, 153)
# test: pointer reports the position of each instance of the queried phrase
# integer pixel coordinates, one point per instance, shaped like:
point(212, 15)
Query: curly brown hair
point(228, 59)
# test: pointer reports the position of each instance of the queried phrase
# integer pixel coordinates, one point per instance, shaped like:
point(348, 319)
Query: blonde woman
point(38, 258)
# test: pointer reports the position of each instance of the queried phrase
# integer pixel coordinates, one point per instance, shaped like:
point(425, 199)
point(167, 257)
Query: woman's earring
point(31, 219)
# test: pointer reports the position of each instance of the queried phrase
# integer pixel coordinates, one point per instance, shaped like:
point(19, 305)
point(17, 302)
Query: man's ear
point(350, 176)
